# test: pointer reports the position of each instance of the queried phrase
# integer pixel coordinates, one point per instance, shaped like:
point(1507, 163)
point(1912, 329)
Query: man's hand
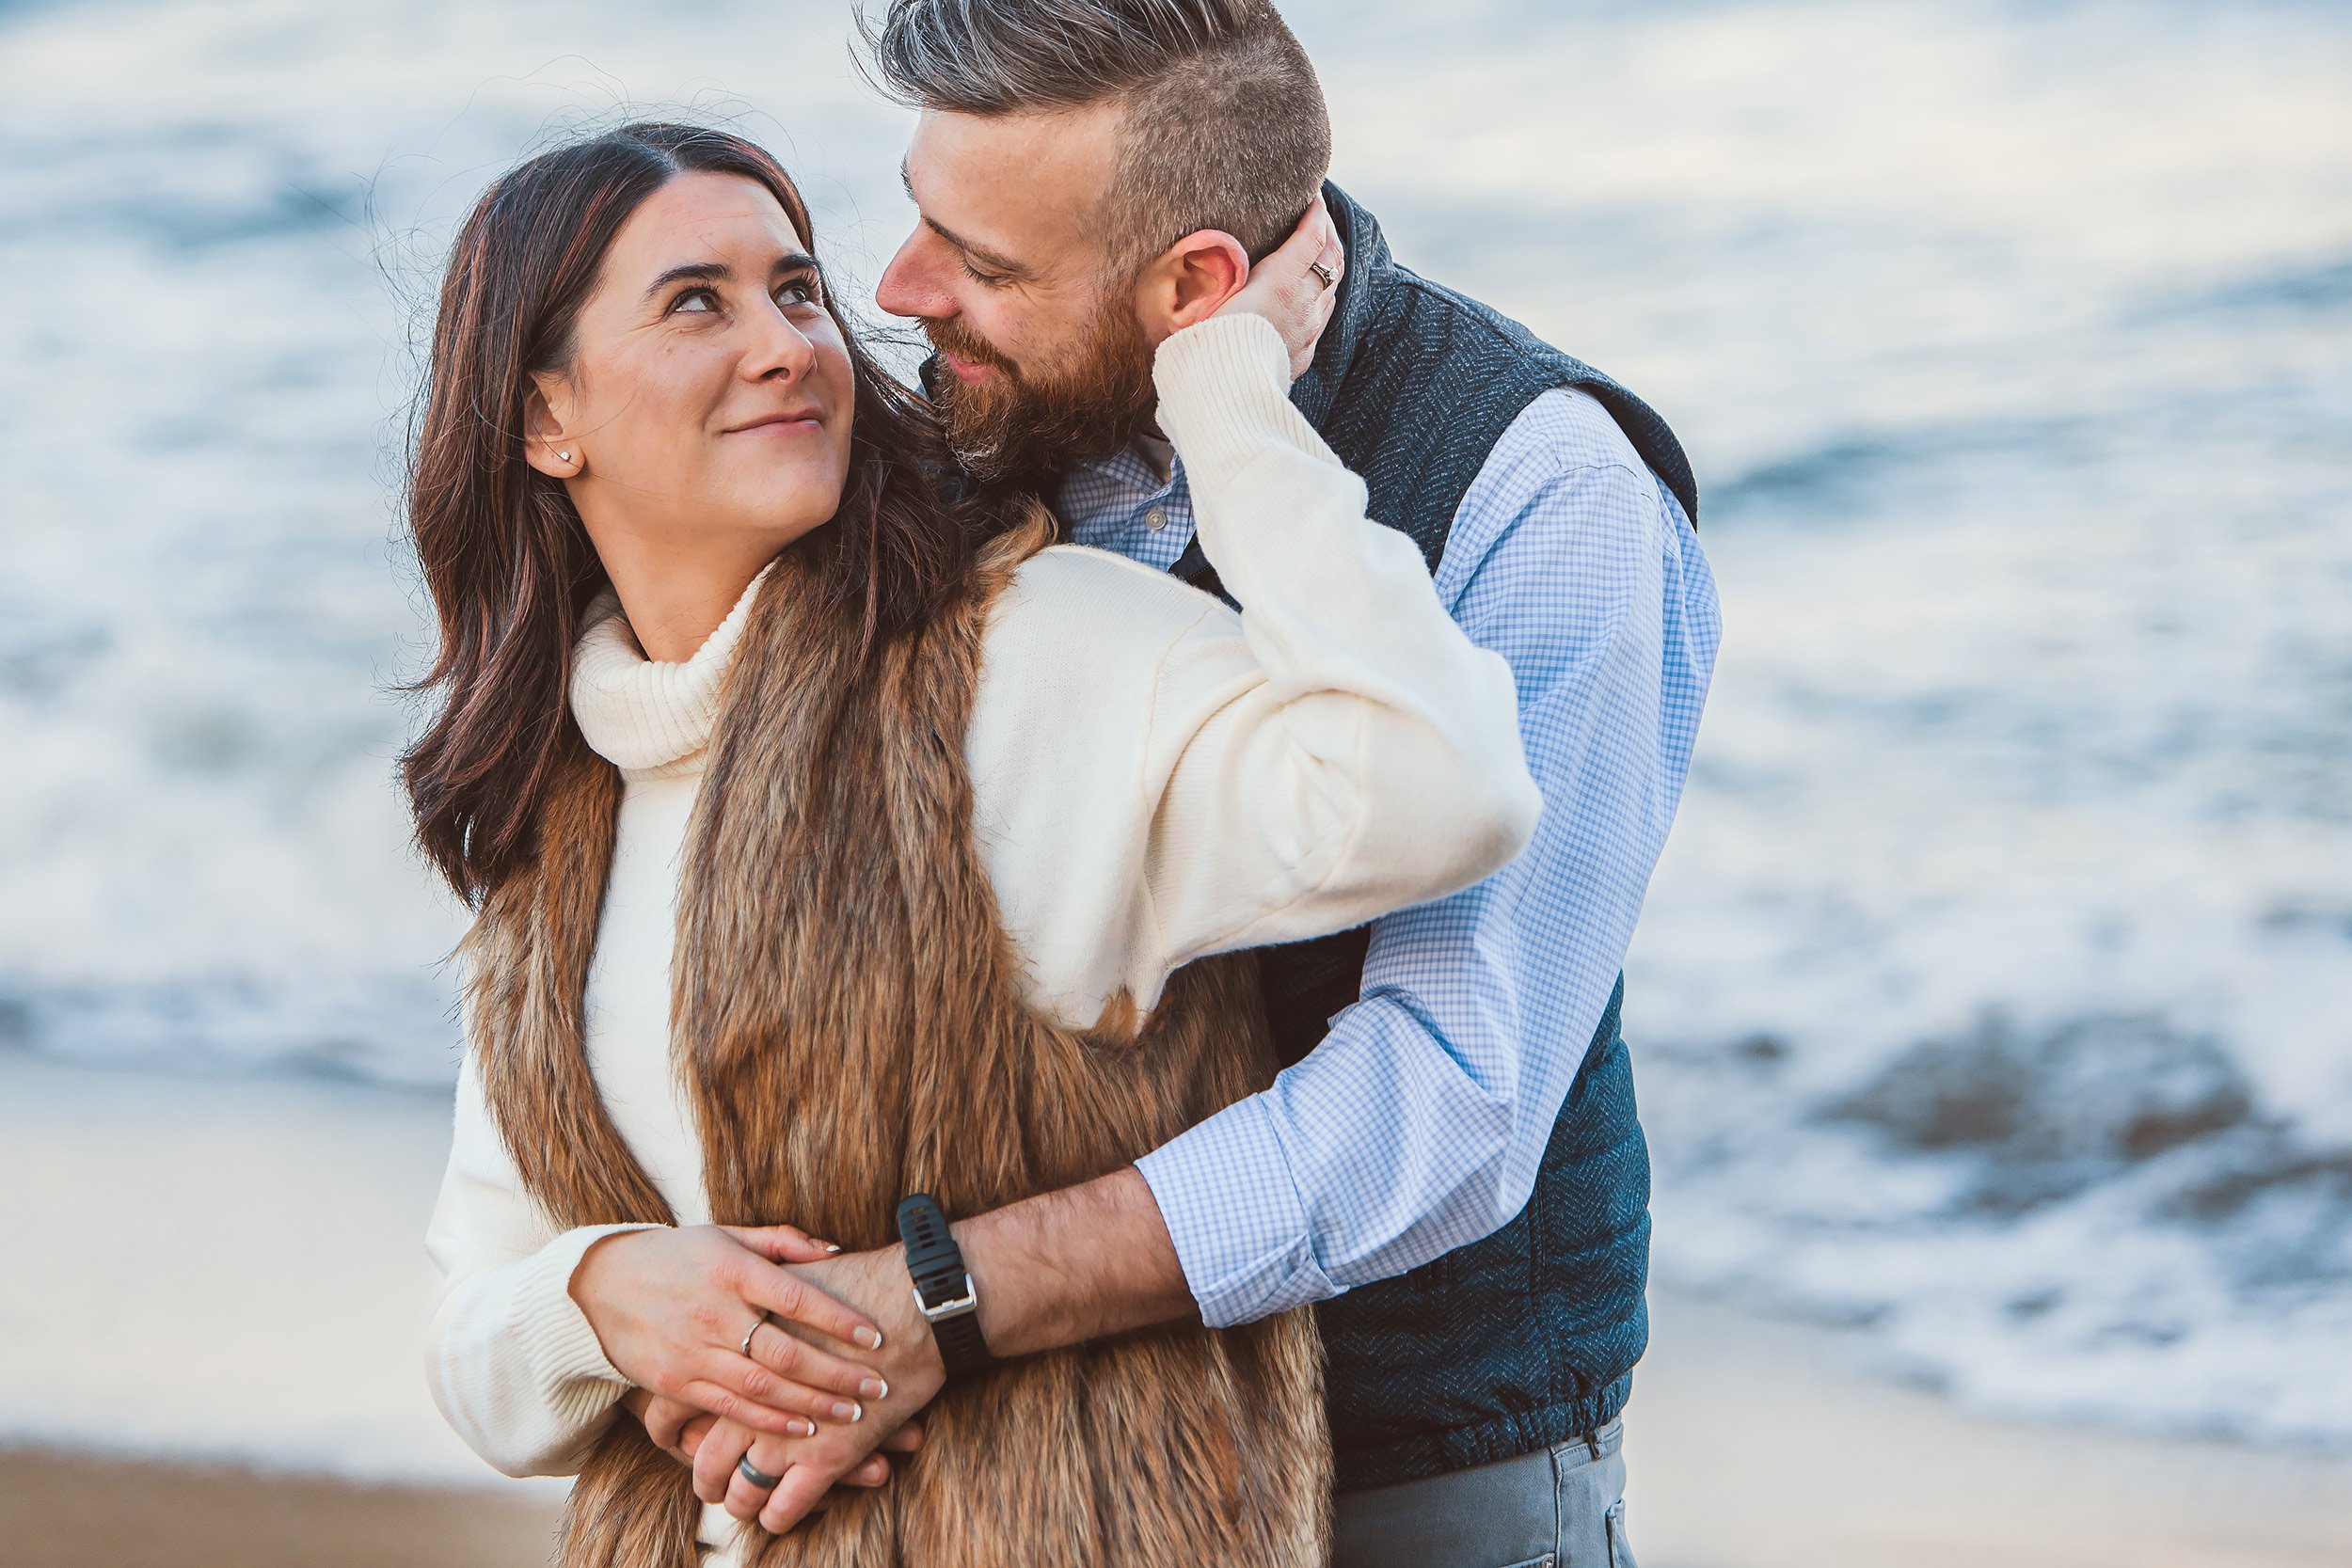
point(681, 1431)
point(840, 1451)
point(1055, 1269)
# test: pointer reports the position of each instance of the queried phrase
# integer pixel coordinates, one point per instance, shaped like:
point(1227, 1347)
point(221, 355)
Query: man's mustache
point(952, 338)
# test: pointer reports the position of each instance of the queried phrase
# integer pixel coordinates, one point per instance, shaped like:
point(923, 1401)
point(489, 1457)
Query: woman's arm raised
point(1375, 762)
point(1159, 778)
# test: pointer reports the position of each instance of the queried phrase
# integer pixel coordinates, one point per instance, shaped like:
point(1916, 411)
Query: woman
point(831, 843)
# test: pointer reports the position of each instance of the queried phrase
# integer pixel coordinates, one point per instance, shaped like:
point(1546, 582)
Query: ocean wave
point(2094, 1221)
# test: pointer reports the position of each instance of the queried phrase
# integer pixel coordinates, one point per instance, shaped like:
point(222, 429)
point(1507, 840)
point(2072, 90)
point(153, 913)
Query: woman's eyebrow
point(718, 272)
point(695, 272)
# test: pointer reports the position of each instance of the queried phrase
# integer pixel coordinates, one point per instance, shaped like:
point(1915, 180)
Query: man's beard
point(1024, 424)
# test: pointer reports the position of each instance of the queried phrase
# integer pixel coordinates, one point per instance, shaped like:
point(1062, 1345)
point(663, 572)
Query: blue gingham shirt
point(1417, 1126)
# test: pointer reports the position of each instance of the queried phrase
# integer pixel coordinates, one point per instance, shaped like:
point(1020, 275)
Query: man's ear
point(1189, 280)
point(546, 446)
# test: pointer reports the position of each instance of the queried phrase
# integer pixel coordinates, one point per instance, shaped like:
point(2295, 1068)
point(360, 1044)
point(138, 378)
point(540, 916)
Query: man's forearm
point(1074, 1265)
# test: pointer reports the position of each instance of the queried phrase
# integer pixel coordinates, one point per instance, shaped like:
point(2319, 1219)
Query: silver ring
point(1330, 278)
point(745, 1348)
point(766, 1483)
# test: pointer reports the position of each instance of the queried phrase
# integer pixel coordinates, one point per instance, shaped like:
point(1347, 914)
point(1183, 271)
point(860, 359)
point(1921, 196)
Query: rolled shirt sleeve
point(1418, 1125)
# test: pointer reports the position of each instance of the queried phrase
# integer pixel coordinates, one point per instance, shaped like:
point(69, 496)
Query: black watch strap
point(943, 1288)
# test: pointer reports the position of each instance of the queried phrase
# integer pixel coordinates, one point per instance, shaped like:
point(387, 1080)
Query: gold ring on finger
point(1330, 278)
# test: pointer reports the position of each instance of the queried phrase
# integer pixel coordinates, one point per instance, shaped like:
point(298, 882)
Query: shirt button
point(1155, 519)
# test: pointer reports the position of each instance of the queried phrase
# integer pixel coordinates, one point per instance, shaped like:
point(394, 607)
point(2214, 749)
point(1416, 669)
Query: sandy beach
point(72, 1511)
point(211, 1358)
point(1755, 1444)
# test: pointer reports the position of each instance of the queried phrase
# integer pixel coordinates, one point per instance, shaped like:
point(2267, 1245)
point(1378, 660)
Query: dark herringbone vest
point(1529, 1336)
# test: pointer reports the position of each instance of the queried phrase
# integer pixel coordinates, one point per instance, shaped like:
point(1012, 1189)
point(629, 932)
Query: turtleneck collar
point(648, 718)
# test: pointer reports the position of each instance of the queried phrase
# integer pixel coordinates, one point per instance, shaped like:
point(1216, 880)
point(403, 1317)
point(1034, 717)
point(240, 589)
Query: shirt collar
point(1120, 502)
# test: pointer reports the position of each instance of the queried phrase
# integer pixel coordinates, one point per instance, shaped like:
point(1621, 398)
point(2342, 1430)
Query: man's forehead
point(1027, 183)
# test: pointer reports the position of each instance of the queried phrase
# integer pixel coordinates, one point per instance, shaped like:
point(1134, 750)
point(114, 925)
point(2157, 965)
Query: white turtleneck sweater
point(1156, 778)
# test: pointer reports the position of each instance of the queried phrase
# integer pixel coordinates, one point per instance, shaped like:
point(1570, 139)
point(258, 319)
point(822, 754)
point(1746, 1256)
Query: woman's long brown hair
point(502, 551)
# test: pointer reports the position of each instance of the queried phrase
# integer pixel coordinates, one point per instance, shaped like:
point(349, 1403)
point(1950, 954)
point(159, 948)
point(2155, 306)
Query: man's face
point(1046, 357)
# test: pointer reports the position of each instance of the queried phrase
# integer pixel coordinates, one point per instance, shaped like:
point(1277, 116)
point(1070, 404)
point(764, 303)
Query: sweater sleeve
point(513, 1362)
point(1377, 762)
point(1160, 778)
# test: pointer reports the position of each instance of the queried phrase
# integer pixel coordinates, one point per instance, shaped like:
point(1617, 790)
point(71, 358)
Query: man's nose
point(910, 286)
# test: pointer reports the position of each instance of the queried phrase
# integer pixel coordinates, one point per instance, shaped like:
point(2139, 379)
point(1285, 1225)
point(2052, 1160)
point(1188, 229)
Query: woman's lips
point(781, 424)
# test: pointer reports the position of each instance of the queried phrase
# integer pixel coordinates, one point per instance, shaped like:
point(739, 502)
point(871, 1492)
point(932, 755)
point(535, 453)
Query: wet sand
point(60, 1511)
point(1759, 1444)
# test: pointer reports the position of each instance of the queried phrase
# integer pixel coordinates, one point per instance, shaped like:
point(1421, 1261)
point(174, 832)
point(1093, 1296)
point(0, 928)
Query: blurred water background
point(1995, 996)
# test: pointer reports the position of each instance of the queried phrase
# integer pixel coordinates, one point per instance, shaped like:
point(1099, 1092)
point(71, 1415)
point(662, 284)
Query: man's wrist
point(943, 1289)
point(994, 1268)
point(1069, 1266)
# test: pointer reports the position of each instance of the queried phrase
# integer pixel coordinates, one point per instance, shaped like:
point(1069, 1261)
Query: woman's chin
point(793, 497)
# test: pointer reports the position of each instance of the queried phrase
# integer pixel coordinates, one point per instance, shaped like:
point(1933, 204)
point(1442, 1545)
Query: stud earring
point(564, 457)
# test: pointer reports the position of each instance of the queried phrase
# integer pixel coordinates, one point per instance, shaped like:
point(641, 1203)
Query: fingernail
point(833, 1247)
point(870, 1338)
point(848, 1412)
point(874, 1388)
point(799, 1427)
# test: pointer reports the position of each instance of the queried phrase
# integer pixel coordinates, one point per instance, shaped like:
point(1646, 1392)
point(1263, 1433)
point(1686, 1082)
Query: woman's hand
point(1286, 290)
point(672, 1308)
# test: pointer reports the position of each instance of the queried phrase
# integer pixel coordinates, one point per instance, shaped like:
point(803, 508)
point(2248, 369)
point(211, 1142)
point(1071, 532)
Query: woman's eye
point(801, 291)
point(698, 301)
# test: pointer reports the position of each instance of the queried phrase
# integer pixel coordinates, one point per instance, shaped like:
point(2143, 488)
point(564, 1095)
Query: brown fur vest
point(845, 1017)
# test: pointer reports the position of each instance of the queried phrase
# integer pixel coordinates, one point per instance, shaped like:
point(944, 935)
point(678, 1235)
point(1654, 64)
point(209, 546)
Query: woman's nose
point(782, 349)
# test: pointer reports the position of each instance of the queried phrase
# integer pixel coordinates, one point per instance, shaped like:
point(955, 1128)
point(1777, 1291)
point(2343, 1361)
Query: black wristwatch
point(944, 1292)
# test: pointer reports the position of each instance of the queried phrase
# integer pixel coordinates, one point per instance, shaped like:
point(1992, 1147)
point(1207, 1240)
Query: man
point(1452, 1168)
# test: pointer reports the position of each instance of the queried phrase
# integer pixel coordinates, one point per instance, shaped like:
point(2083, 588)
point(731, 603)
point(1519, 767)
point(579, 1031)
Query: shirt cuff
point(1231, 1207)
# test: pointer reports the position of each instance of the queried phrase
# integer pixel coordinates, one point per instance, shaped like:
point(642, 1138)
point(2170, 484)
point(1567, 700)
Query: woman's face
point(709, 395)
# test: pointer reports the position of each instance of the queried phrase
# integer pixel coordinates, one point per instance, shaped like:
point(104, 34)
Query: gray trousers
point(1560, 1507)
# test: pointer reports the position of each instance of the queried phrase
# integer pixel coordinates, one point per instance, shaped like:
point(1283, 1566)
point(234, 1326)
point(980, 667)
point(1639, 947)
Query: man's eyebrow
point(996, 259)
point(718, 272)
point(992, 259)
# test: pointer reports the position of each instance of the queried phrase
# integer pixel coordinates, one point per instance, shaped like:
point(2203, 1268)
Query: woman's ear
point(545, 446)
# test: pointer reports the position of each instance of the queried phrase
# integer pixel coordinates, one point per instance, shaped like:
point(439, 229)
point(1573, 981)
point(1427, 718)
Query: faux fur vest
point(848, 1025)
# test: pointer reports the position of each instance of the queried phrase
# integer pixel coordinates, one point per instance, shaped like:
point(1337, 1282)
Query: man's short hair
point(1224, 126)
